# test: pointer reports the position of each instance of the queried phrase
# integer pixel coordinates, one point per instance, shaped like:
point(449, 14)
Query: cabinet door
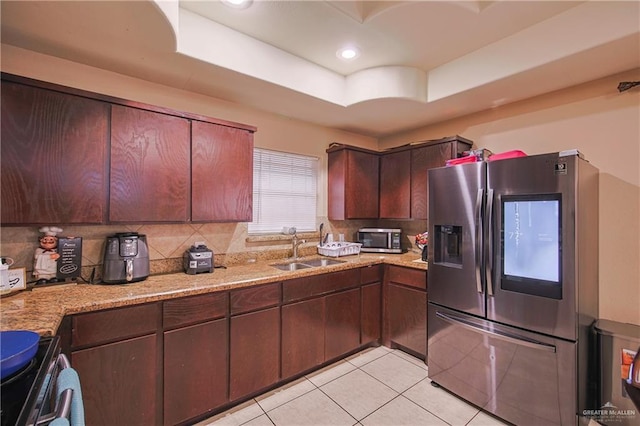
point(302, 336)
point(96, 328)
point(119, 382)
point(52, 155)
point(342, 323)
point(195, 370)
point(353, 185)
point(150, 166)
point(222, 173)
point(255, 352)
point(395, 185)
point(407, 318)
point(371, 313)
point(362, 185)
point(423, 159)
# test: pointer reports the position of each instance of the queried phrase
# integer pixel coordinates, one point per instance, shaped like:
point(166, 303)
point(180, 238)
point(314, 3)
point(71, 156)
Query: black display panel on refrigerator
point(531, 244)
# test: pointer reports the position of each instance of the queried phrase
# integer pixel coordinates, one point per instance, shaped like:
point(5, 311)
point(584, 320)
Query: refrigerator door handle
point(479, 240)
point(490, 238)
point(508, 337)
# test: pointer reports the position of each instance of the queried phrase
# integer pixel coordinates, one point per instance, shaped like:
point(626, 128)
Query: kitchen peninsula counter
point(42, 310)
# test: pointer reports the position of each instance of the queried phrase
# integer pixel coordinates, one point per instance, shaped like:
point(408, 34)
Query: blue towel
point(60, 421)
point(68, 379)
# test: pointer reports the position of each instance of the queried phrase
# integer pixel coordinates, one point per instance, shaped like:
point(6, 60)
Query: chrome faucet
point(295, 243)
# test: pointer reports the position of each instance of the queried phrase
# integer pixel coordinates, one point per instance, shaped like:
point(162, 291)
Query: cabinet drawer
point(254, 298)
point(194, 309)
point(114, 324)
point(407, 276)
point(301, 288)
point(371, 274)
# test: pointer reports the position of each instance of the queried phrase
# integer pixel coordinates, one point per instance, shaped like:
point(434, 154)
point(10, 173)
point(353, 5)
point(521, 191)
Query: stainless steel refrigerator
point(513, 285)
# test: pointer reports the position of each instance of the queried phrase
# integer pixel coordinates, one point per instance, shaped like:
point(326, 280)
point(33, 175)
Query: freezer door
point(522, 377)
point(455, 276)
point(543, 251)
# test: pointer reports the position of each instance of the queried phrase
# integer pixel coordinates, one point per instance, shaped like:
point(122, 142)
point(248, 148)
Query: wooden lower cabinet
point(255, 352)
point(371, 307)
point(371, 313)
point(407, 316)
point(302, 336)
point(119, 382)
point(177, 361)
point(195, 370)
point(117, 355)
point(405, 304)
point(342, 323)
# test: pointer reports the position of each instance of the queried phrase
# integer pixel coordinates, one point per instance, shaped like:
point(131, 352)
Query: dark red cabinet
point(119, 382)
point(423, 159)
point(74, 157)
point(371, 312)
point(53, 157)
point(182, 359)
point(395, 185)
point(255, 352)
point(342, 323)
point(302, 336)
point(119, 372)
point(391, 184)
point(221, 174)
point(255, 339)
point(405, 305)
point(320, 319)
point(150, 166)
point(195, 370)
point(353, 176)
point(196, 351)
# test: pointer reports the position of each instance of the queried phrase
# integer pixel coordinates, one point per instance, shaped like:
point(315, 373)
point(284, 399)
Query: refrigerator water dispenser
point(447, 244)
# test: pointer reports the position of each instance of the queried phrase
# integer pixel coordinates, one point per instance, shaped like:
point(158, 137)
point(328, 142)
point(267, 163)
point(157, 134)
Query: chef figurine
point(46, 256)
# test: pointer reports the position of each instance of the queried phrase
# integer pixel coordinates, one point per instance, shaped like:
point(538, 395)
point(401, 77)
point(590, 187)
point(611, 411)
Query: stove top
point(25, 390)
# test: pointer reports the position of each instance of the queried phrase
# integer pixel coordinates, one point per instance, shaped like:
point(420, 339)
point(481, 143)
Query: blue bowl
point(17, 348)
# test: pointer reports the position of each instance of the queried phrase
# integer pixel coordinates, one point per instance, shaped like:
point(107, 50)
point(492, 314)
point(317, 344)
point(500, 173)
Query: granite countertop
point(42, 309)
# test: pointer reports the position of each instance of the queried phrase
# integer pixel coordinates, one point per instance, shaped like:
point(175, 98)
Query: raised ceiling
point(420, 62)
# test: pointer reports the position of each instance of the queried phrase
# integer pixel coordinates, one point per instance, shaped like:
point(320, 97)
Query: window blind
point(284, 191)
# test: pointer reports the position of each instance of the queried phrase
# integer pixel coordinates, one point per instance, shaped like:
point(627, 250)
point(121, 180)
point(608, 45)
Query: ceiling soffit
point(228, 48)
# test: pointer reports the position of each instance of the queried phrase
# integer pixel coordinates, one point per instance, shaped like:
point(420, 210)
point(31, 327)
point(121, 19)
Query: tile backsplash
point(229, 242)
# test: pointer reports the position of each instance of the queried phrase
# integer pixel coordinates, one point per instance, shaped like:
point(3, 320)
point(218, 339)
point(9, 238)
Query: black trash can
point(617, 345)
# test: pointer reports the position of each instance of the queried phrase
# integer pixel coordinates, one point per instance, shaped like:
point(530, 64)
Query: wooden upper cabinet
point(353, 184)
point(395, 185)
point(150, 166)
point(366, 184)
point(222, 173)
point(423, 159)
point(429, 157)
point(52, 157)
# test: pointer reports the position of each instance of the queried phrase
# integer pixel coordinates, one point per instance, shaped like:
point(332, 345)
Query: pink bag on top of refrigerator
point(507, 154)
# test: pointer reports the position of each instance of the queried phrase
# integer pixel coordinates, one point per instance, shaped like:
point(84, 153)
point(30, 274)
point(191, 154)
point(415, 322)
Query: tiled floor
point(378, 386)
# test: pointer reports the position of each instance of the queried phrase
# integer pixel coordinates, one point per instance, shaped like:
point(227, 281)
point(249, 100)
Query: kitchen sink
point(322, 262)
point(290, 266)
point(311, 263)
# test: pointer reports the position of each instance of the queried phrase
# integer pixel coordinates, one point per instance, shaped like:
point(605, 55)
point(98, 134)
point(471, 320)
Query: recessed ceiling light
point(348, 53)
point(238, 4)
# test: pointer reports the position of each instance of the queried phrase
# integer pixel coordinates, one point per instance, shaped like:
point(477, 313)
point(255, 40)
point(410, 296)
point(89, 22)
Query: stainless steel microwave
point(380, 240)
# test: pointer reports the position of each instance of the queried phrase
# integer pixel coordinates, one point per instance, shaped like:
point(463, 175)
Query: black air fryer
point(126, 258)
